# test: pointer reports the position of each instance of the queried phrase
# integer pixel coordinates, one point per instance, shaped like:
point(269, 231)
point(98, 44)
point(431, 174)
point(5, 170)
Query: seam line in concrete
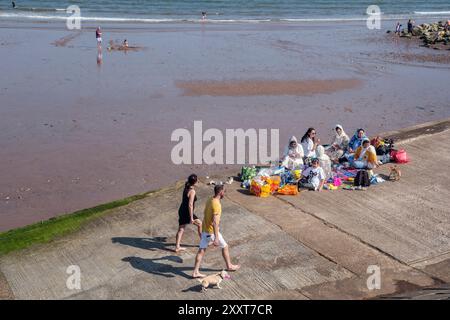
point(304, 244)
point(436, 279)
point(418, 261)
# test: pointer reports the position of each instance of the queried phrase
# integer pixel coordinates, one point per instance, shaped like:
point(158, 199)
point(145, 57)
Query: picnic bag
point(288, 189)
point(362, 179)
point(399, 156)
point(382, 146)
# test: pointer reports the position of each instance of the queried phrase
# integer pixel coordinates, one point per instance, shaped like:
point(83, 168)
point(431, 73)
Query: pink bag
point(399, 156)
point(337, 181)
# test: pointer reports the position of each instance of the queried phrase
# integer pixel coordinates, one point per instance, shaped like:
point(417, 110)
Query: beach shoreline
point(401, 136)
point(79, 133)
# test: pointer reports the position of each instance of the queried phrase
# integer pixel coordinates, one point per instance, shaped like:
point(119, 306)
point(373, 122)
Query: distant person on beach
point(125, 43)
point(98, 36)
point(313, 178)
point(13, 5)
point(211, 232)
point(186, 211)
point(203, 15)
point(410, 26)
point(339, 144)
point(309, 143)
point(398, 28)
point(293, 155)
point(447, 25)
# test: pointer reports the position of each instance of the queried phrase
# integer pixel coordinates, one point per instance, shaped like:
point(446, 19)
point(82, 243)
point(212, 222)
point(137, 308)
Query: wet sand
point(77, 133)
point(244, 88)
point(64, 41)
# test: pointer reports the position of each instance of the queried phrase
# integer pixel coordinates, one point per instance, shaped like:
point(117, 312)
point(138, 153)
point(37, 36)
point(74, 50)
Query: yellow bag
point(265, 191)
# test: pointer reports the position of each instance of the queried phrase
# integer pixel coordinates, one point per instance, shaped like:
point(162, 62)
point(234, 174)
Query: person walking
point(98, 36)
point(211, 232)
point(186, 211)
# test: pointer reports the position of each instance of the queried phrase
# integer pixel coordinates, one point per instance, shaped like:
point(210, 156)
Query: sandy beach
point(81, 128)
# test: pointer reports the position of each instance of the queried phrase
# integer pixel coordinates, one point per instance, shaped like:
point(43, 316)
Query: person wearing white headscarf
point(324, 161)
point(339, 144)
point(293, 154)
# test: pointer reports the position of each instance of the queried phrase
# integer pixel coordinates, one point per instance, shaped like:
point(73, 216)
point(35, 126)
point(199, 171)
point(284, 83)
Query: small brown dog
point(395, 173)
point(214, 279)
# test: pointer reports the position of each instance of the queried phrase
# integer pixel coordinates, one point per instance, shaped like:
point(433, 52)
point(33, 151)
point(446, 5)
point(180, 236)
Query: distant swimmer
point(98, 36)
point(203, 15)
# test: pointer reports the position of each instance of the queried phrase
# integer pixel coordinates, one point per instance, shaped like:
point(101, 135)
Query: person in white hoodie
point(324, 161)
point(293, 154)
point(339, 144)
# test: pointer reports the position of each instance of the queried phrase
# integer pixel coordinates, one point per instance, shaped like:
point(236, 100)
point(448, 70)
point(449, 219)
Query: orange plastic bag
point(289, 189)
point(255, 188)
point(274, 182)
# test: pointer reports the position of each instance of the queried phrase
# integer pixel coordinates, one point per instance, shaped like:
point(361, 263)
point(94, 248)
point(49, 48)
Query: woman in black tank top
point(186, 211)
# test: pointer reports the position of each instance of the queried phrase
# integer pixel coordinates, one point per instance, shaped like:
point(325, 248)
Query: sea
point(223, 11)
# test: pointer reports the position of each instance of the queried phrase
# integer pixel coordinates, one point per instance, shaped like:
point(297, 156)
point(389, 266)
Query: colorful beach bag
point(399, 156)
point(261, 190)
point(248, 173)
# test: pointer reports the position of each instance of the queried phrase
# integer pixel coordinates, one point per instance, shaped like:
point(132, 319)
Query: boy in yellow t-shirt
point(210, 232)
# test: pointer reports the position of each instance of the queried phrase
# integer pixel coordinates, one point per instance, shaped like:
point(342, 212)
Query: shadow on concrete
point(384, 176)
point(154, 266)
point(245, 191)
point(196, 288)
point(152, 244)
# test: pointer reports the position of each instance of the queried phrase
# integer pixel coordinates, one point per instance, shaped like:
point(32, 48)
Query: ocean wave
point(323, 19)
point(30, 9)
point(180, 20)
point(117, 19)
point(432, 12)
point(50, 17)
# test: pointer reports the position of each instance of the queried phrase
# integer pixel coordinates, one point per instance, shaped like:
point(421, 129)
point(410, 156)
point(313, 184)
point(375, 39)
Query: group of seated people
point(317, 158)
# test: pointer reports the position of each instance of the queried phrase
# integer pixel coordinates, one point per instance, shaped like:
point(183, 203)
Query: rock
point(389, 31)
point(429, 33)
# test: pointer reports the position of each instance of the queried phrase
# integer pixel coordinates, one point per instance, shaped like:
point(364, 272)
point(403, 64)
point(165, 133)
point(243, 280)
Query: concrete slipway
point(311, 246)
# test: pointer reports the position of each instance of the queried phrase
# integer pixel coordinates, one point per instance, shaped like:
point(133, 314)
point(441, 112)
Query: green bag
point(248, 173)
